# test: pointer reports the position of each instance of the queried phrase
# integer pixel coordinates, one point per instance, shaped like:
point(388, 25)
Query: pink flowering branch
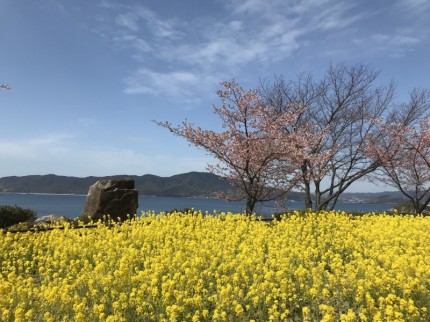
point(256, 154)
point(5, 87)
point(404, 155)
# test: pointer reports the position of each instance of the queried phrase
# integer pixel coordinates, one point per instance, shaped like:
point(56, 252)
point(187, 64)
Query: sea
point(71, 205)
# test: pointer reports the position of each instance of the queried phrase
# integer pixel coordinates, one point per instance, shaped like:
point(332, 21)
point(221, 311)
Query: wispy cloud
point(35, 148)
point(414, 5)
point(173, 55)
point(176, 83)
point(394, 45)
point(128, 20)
point(142, 17)
point(337, 16)
point(87, 122)
point(397, 45)
point(63, 157)
point(272, 33)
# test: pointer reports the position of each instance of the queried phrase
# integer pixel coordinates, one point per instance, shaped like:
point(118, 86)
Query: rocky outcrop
point(116, 198)
point(51, 219)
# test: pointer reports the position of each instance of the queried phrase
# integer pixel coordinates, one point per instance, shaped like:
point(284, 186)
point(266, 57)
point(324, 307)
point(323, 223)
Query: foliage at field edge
point(11, 215)
point(305, 267)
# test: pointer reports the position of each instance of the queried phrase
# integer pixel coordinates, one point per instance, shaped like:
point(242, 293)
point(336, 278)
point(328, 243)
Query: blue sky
point(88, 77)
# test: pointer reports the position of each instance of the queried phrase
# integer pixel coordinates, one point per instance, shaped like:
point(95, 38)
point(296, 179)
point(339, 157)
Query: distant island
point(192, 184)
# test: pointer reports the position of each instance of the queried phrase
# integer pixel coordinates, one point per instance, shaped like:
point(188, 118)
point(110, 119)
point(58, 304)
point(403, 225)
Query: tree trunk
point(317, 195)
point(250, 204)
point(308, 199)
point(307, 186)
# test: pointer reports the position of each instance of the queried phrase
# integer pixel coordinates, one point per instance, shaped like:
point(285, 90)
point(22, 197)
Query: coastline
point(42, 193)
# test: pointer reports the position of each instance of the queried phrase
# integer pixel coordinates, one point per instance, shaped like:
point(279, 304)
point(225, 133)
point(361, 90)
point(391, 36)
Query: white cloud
point(223, 53)
point(11, 150)
point(250, 6)
point(181, 86)
point(34, 148)
point(149, 82)
point(87, 122)
point(139, 44)
point(128, 20)
point(61, 156)
point(396, 45)
point(304, 6)
point(236, 25)
point(335, 16)
point(308, 14)
point(398, 40)
point(414, 5)
point(137, 16)
point(194, 52)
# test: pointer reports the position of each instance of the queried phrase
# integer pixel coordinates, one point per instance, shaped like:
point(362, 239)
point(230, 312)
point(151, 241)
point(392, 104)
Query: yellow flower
point(348, 317)
point(185, 267)
point(238, 309)
point(5, 315)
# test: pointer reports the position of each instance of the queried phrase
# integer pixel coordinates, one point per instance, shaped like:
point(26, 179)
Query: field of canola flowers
point(191, 267)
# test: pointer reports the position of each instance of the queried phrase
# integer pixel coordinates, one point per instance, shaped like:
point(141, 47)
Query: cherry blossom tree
point(404, 155)
point(342, 103)
point(5, 87)
point(257, 155)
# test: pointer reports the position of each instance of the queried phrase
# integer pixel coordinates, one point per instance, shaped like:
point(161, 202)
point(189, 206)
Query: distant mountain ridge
point(191, 184)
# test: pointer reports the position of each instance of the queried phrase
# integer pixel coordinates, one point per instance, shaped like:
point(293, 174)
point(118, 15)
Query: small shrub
point(11, 215)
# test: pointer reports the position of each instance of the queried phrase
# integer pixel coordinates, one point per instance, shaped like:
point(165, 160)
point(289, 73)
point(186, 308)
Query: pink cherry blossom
point(404, 155)
point(5, 87)
point(256, 152)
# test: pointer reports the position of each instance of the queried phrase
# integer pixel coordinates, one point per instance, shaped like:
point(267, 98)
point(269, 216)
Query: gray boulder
point(50, 219)
point(116, 197)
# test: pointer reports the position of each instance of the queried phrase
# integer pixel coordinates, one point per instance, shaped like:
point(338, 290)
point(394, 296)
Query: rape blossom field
point(192, 267)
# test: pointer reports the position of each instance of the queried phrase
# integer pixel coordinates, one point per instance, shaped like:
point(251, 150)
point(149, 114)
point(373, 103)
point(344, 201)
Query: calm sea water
point(71, 205)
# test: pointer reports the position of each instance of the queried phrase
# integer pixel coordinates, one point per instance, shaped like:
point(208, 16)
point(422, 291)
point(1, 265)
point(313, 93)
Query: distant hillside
point(182, 185)
point(386, 197)
point(192, 184)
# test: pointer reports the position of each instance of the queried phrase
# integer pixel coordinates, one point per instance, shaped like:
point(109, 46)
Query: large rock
point(51, 219)
point(116, 198)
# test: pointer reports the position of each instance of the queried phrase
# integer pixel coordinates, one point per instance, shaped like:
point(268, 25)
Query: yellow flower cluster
point(194, 267)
